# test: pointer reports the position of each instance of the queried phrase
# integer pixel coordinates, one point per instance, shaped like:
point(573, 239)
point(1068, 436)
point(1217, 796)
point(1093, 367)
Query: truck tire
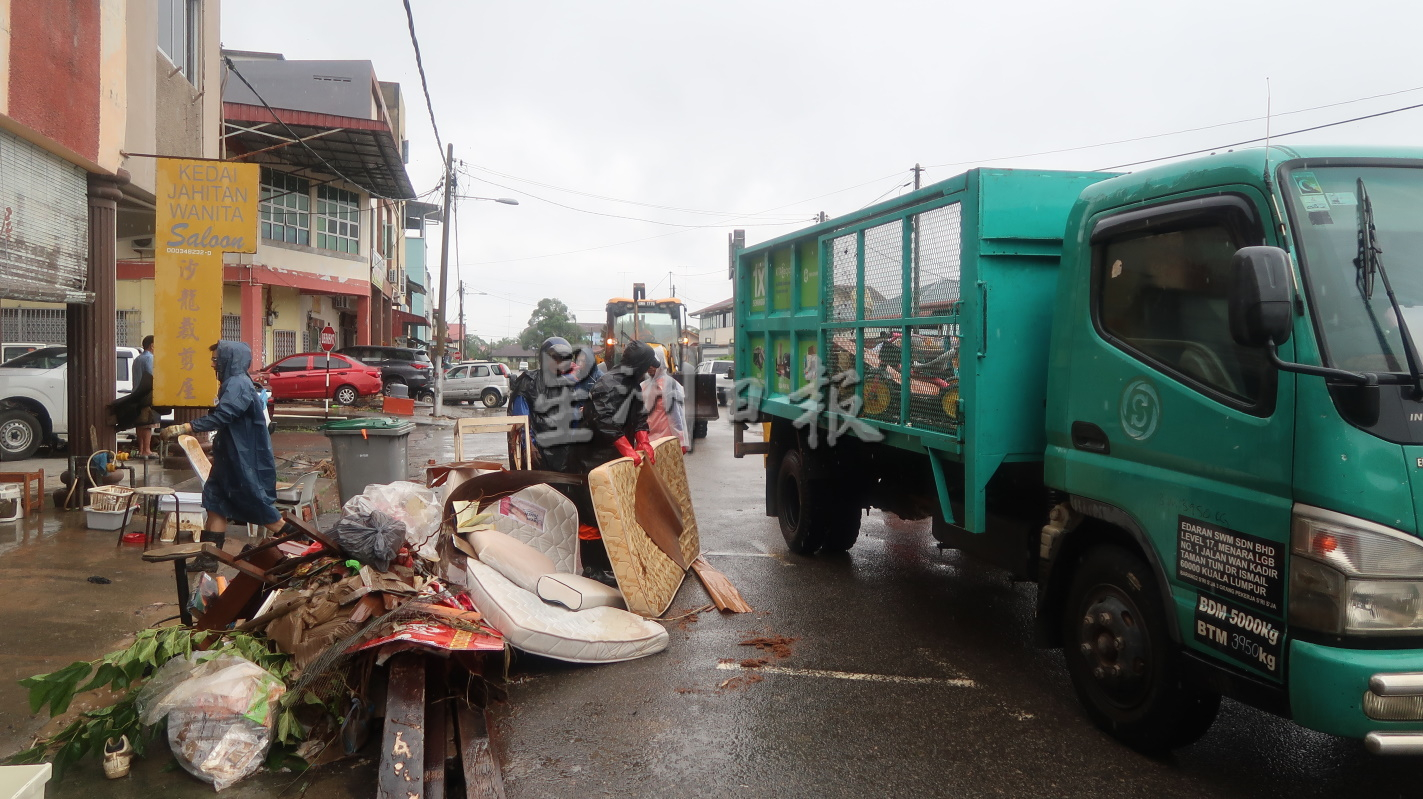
point(843, 527)
point(699, 428)
point(1121, 659)
point(20, 434)
point(802, 505)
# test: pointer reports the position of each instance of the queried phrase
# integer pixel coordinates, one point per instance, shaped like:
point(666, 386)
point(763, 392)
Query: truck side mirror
point(1261, 301)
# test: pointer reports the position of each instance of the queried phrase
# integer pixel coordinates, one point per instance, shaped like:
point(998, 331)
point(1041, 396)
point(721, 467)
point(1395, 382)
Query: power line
point(1171, 133)
point(735, 214)
point(333, 170)
point(623, 216)
point(1262, 138)
point(420, 65)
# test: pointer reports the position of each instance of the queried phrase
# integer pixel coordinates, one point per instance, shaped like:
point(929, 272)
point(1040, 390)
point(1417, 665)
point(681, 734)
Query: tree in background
point(550, 318)
point(476, 348)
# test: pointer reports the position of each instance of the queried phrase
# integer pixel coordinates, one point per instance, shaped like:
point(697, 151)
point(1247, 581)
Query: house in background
point(716, 322)
point(331, 247)
point(414, 319)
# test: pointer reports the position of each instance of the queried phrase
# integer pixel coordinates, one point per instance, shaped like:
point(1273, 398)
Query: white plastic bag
point(415, 505)
point(221, 711)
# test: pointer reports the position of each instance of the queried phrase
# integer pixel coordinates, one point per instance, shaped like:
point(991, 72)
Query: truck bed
point(924, 319)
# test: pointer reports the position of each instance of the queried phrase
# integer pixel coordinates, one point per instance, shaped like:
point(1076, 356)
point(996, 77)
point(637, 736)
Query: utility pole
point(918, 170)
point(440, 331)
point(464, 336)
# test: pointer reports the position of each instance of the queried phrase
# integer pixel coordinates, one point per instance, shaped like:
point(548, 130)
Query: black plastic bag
point(372, 538)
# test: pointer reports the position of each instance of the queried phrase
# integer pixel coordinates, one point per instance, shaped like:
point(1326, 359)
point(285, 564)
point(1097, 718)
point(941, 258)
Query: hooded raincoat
point(243, 483)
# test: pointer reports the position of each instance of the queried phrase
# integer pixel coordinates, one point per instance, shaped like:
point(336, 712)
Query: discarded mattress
point(647, 576)
point(595, 635)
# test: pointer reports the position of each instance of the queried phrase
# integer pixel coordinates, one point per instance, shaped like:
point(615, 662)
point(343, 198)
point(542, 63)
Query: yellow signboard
point(205, 208)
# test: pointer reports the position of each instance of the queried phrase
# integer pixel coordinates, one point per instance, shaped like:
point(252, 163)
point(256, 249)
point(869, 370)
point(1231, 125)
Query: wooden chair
point(520, 443)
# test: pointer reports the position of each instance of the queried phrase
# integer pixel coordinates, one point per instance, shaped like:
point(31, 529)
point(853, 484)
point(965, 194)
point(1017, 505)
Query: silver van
point(485, 381)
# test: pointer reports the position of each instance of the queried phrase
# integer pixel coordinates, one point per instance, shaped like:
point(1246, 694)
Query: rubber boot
point(205, 562)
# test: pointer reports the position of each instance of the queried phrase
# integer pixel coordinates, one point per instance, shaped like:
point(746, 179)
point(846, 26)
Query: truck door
point(1186, 432)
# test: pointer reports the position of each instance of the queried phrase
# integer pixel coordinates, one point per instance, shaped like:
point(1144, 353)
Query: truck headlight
point(1350, 576)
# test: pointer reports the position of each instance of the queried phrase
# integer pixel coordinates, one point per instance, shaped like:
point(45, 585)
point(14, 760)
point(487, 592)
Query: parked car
point(11, 350)
point(398, 366)
point(477, 380)
point(725, 377)
point(316, 375)
point(34, 398)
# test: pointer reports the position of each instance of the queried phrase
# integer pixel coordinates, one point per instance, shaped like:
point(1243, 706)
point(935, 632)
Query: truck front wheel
point(20, 434)
point(1122, 662)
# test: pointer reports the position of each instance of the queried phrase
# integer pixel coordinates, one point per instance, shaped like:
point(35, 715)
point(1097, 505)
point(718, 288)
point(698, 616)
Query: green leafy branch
point(125, 670)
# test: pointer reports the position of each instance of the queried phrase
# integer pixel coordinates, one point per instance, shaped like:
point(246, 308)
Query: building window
point(179, 34)
point(286, 207)
point(338, 220)
point(128, 330)
point(231, 327)
point(283, 343)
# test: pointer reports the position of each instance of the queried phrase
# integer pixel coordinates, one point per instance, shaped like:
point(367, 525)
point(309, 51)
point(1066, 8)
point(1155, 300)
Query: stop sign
point(328, 338)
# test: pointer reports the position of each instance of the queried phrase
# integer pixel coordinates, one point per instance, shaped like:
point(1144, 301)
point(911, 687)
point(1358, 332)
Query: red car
point(316, 375)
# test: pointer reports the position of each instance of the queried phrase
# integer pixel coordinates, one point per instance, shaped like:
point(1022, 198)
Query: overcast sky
point(694, 119)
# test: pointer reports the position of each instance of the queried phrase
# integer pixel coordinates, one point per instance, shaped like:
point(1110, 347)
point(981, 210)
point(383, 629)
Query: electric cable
point(1263, 138)
point(420, 65)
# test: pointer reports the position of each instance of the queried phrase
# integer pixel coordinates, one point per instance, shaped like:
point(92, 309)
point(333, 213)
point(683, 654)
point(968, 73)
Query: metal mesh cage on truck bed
point(925, 317)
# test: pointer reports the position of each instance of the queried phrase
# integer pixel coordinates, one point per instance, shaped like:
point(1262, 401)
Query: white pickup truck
point(34, 398)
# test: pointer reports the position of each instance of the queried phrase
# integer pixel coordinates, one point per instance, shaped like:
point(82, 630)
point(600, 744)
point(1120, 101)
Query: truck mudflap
point(1373, 694)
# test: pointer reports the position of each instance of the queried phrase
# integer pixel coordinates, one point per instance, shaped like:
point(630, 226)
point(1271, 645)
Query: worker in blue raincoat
point(242, 487)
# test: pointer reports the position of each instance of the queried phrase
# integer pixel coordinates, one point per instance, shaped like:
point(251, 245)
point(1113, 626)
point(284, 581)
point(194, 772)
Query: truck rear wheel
point(802, 505)
point(1120, 657)
point(814, 515)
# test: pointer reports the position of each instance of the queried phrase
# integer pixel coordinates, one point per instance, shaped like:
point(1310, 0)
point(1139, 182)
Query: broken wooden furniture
point(520, 440)
point(257, 568)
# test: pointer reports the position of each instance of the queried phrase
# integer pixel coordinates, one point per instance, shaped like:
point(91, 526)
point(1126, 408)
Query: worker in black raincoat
point(554, 397)
point(618, 417)
point(242, 487)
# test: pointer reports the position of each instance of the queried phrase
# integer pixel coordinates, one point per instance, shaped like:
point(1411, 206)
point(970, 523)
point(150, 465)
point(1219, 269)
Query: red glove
point(645, 446)
point(625, 449)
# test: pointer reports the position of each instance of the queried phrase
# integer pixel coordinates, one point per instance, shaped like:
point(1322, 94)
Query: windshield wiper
point(1368, 263)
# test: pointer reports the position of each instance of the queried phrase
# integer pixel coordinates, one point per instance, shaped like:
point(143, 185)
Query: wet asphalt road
point(939, 690)
point(912, 673)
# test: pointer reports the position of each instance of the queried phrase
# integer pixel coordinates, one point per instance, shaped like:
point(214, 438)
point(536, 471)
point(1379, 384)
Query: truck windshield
point(1358, 326)
point(46, 358)
point(652, 327)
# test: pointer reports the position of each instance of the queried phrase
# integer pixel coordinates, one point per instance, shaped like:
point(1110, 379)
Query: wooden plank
point(402, 754)
point(722, 592)
point(244, 591)
point(436, 723)
point(482, 779)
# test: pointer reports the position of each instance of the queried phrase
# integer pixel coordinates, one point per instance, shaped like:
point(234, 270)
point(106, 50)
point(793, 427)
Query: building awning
point(364, 150)
point(407, 318)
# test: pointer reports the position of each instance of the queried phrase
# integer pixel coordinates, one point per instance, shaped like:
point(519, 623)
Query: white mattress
point(595, 635)
point(559, 537)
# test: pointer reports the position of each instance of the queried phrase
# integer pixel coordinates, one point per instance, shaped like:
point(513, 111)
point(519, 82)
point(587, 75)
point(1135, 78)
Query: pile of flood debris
point(395, 623)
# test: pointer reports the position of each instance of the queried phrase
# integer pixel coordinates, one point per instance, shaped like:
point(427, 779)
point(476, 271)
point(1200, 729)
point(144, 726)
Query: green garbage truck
point(1185, 401)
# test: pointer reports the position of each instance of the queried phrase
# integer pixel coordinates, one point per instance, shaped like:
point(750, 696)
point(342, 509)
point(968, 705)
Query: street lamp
point(440, 332)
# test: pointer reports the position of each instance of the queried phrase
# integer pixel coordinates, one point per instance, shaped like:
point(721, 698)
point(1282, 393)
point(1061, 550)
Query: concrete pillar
point(363, 320)
point(254, 321)
point(91, 333)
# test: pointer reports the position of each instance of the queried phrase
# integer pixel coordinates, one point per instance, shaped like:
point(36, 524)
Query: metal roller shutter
point(44, 221)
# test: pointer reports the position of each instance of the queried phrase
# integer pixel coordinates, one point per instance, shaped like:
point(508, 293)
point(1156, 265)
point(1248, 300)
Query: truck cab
point(1193, 414)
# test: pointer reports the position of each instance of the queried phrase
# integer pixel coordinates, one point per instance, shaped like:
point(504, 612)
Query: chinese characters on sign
point(205, 208)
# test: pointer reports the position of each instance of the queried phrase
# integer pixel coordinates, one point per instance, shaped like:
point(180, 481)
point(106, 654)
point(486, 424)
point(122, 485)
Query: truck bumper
point(1376, 695)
